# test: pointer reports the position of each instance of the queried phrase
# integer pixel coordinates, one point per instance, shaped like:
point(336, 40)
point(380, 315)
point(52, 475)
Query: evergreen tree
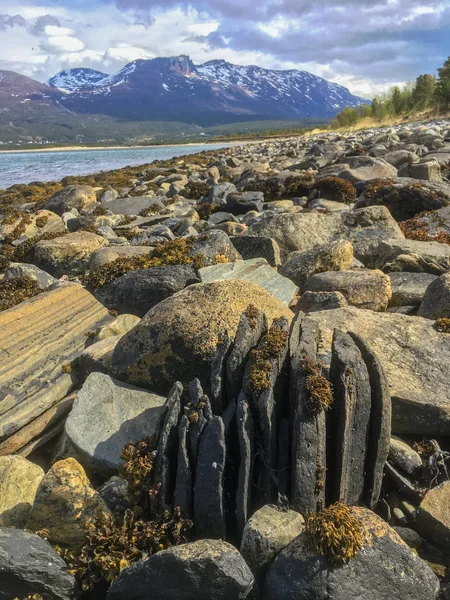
point(424, 92)
point(443, 86)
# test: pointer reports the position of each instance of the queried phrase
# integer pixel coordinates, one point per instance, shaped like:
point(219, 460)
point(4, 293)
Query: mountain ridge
point(213, 91)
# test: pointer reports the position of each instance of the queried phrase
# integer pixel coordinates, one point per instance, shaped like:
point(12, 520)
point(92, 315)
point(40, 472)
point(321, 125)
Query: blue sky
point(366, 45)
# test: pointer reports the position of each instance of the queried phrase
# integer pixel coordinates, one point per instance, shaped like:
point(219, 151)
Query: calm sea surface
point(24, 167)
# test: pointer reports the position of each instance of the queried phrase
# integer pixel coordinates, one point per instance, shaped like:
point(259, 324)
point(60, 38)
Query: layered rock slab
point(37, 338)
point(414, 357)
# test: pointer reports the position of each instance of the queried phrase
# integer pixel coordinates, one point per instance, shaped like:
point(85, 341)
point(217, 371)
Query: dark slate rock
point(29, 565)
point(209, 515)
point(239, 204)
point(203, 570)
point(348, 421)
point(256, 246)
point(308, 430)
point(115, 493)
point(266, 410)
point(380, 422)
point(138, 291)
point(244, 421)
point(164, 470)
point(408, 289)
point(198, 420)
point(218, 376)
point(384, 569)
point(248, 333)
point(283, 458)
point(183, 483)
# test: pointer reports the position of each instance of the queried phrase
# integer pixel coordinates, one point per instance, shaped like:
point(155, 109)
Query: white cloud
point(62, 44)
point(53, 30)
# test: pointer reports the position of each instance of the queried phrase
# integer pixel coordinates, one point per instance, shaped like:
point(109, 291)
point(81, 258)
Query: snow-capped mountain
point(71, 80)
point(215, 92)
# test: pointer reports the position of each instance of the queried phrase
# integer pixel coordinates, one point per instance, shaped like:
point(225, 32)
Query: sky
point(365, 45)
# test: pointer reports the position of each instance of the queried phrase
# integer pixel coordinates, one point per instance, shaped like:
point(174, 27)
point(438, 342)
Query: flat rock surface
point(106, 415)
point(415, 358)
point(256, 270)
point(19, 480)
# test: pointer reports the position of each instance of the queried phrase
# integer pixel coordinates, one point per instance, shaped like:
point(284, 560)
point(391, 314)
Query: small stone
point(404, 456)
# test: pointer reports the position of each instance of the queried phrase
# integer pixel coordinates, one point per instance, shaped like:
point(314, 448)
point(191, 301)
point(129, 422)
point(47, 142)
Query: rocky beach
point(226, 375)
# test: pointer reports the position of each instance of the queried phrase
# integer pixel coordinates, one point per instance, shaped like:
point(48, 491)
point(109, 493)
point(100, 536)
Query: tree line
point(426, 92)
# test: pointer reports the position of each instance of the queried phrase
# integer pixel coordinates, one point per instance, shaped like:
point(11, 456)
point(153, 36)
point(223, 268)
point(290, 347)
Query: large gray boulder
point(29, 565)
point(383, 569)
point(105, 416)
point(180, 337)
point(409, 255)
point(412, 353)
point(132, 205)
point(203, 570)
point(304, 230)
point(436, 301)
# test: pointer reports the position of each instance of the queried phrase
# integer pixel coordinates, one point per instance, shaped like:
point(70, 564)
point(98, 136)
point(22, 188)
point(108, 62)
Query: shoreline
point(84, 148)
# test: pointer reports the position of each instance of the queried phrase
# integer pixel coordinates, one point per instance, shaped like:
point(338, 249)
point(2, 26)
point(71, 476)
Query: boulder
point(408, 289)
point(405, 198)
point(433, 515)
point(239, 204)
point(268, 531)
point(219, 193)
point(43, 279)
point(105, 416)
point(132, 205)
point(19, 480)
point(364, 168)
point(30, 225)
point(96, 358)
point(65, 505)
point(198, 571)
point(361, 288)
point(255, 270)
point(312, 301)
point(37, 338)
point(108, 254)
point(384, 568)
point(305, 230)
point(138, 291)
point(179, 338)
point(72, 196)
point(30, 567)
point(411, 256)
point(69, 254)
point(436, 301)
point(254, 246)
point(214, 246)
point(412, 354)
point(334, 256)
